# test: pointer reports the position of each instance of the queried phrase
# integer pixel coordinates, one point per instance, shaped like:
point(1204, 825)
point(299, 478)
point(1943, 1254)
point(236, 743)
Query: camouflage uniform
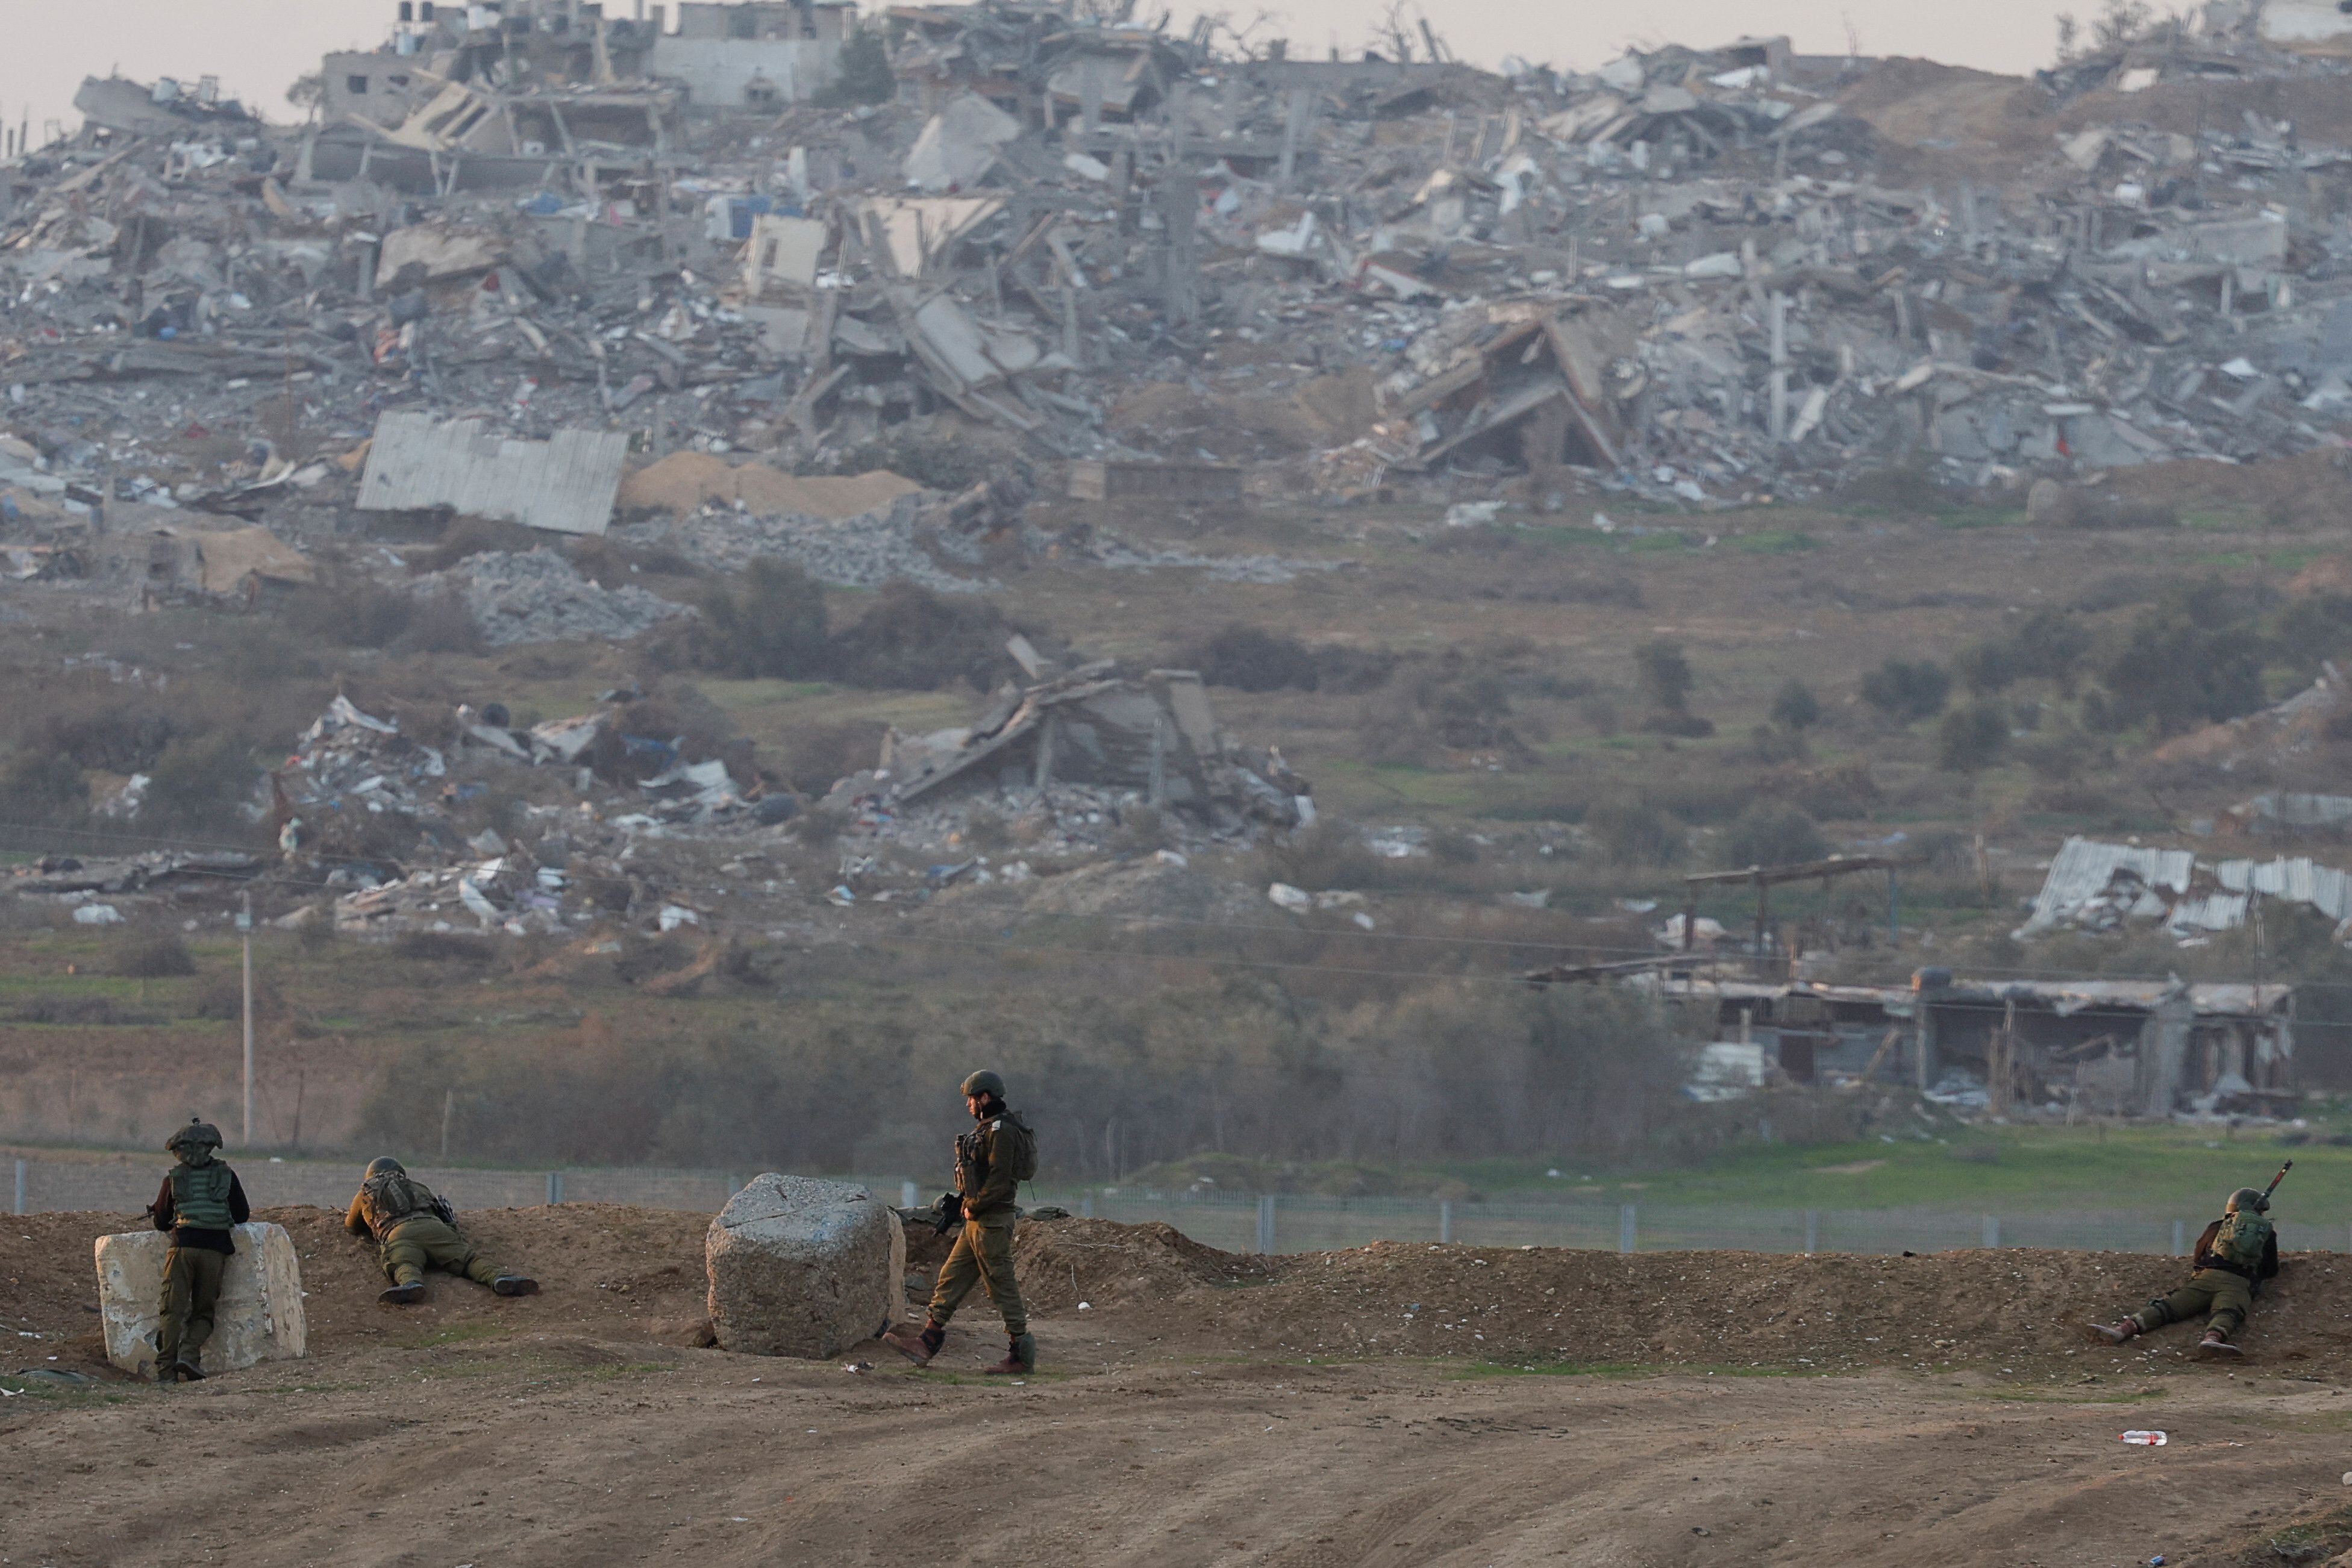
point(983, 1254)
point(413, 1230)
point(199, 1204)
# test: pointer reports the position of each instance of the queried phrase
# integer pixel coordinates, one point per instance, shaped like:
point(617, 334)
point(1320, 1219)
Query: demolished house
point(1151, 737)
point(2133, 1047)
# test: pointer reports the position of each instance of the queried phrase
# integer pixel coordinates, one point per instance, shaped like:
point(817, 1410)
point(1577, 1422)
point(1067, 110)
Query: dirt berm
point(616, 1272)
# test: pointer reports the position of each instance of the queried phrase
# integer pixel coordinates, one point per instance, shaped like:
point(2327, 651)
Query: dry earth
point(1200, 1408)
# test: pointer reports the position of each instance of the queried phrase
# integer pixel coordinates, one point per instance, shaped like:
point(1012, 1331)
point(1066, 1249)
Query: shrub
point(1666, 673)
point(1794, 707)
point(2189, 660)
point(152, 959)
point(769, 621)
point(43, 789)
point(200, 787)
point(1252, 659)
point(911, 639)
point(1972, 739)
point(1770, 834)
point(1987, 667)
point(1908, 690)
point(2051, 644)
point(357, 613)
point(440, 623)
point(1635, 832)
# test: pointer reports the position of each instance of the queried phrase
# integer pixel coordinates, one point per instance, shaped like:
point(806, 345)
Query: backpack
point(2242, 1239)
point(1020, 1146)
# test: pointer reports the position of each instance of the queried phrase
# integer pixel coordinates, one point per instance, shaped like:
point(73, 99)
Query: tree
point(1972, 739)
point(1988, 666)
point(1666, 673)
point(866, 75)
point(1908, 690)
point(1766, 833)
point(1795, 707)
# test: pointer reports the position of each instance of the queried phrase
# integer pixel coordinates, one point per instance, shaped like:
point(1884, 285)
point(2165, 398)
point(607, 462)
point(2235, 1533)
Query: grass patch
point(1773, 541)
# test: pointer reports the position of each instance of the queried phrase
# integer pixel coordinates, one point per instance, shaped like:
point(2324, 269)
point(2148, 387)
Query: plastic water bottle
point(2145, 1439)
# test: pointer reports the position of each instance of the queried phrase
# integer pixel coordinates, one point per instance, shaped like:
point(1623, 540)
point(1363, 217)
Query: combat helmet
point(984, 1081)
point(2248, 1197)
point(384, 1165)
point(195, 1142)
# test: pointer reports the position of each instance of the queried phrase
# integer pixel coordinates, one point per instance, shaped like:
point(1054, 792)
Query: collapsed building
point(2108, 1048)
point(1703, 275)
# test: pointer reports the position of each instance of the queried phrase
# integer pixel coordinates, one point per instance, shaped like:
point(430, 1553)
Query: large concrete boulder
point(258, 1317)
point(801, 1266)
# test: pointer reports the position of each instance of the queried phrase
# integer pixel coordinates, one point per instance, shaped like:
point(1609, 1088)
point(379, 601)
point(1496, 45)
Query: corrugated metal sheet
point(2299, 881)
point(564, 485)
point(2083, 868)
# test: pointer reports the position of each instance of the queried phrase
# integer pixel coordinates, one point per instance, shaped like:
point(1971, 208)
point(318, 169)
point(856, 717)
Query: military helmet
point(384, 1165)
point(197, 1133)
point(984, 1083)
point(2249, 1197)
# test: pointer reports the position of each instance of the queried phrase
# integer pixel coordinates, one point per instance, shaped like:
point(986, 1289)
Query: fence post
point(1265, 1223)
point(1812, 1231)
point(1445, 1220)
point(1625, 1232)
point(907, 1194)
point(20, 1207)
point(2180, 1239)
point(1992, 1230)
point(554, 1188)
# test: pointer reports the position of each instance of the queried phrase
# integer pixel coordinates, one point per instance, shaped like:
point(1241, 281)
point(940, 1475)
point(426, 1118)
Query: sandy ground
point(1170, 1425)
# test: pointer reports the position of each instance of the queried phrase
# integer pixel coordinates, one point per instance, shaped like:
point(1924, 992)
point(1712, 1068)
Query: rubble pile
point(1701, 276)
point(893, 543)
point(539, 596)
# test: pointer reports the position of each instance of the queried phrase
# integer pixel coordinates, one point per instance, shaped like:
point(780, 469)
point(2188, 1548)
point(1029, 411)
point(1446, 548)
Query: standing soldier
point(200, 1203)
point(991, 1161)
point(413, 1229)
point(2234, 1256)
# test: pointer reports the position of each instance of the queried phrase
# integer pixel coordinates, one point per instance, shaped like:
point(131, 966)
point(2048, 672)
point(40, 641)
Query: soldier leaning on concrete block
point(199, 1204)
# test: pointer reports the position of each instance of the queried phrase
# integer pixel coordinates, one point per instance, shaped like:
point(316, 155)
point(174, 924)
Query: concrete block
point(801, 1266)
point(259, 1318)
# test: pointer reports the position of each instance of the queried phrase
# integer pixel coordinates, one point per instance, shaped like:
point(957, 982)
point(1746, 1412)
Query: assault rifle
point(947, 1214)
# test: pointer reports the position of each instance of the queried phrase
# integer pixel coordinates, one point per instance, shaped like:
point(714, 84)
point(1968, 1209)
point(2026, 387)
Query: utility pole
point(244, 924)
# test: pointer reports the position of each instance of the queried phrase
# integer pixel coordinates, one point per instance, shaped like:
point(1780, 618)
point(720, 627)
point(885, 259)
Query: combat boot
point(515, 1285)
point(1020, 1357)
point(2127, 1329)
point(917, 1348)
point(406, 1295)
point(2216, 1342)
point(186, 1372)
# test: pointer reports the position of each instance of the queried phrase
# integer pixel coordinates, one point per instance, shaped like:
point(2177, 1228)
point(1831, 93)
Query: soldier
point(413, 1229)
point(991, 1161)
point(2234, 1256)
point(199, 1203)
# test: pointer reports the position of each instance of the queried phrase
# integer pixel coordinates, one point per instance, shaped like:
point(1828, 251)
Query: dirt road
point(1166, 1429)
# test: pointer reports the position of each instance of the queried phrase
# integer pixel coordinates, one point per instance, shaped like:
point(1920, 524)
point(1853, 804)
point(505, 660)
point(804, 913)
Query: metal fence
point(1233, 1222)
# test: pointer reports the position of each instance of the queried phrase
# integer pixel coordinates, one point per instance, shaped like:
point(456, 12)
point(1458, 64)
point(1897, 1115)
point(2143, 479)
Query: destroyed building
point(2130, 1048)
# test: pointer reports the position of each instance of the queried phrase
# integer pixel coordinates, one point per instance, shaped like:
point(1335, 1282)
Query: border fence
point(1233, 1222)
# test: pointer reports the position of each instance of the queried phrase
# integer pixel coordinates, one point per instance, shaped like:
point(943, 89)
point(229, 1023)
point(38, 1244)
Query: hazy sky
point(258, 47)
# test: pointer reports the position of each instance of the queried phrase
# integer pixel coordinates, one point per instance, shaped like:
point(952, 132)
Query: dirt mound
point(606, 1270)
point(1064, 1261)
point(685, 480)
point(617, 1274)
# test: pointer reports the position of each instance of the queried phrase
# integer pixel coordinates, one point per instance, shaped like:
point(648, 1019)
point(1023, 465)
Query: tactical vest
point(200, 1196)
point(2241, 1241)
point(387, 1199)
point(1013, 1144)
